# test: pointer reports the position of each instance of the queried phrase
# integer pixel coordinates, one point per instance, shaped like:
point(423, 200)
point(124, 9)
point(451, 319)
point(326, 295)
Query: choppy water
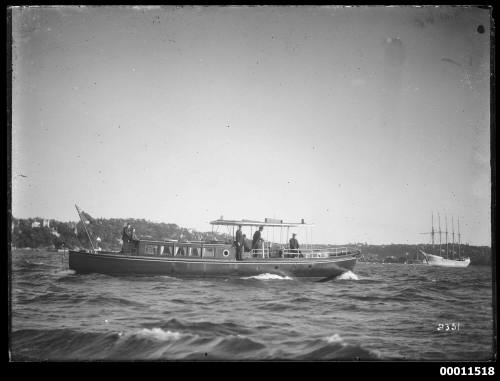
point(377, 312)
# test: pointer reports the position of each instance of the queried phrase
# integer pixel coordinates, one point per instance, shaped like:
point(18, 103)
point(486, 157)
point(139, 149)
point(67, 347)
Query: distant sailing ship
point(439, 260)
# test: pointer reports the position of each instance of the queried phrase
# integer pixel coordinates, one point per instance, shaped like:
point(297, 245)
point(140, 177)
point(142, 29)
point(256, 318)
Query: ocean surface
point(376, 312)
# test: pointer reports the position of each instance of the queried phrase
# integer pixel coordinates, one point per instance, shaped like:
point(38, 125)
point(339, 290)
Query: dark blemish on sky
point(480, 29)
point(450, 61)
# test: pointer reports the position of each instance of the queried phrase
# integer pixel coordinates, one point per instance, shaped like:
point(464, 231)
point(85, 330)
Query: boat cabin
point(197, 249)
point(275, 243)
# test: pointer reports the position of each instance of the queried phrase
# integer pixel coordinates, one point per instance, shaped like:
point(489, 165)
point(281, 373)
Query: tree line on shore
point(26, 233)
point(107, 233)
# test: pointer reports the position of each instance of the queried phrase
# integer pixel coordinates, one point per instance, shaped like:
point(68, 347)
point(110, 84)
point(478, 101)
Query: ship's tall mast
point(453, 237)
point(446, 233)
point(432, 233)
point(459, 241)
point(439, 227)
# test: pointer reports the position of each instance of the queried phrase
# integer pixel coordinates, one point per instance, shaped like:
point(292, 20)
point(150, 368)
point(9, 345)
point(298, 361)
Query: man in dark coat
point(246, 247)
point(126, 233)
point(126, 236)
point(294, 244)
point(133, 236)
point(239, 243)
point(257, 240)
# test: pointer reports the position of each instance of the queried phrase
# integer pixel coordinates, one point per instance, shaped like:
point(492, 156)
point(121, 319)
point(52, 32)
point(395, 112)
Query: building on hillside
point(35, 224)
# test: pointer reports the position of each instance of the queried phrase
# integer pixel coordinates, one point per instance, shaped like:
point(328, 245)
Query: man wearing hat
point(257, 240)
point(294, 244)
point(239, 243)
point(126, 236)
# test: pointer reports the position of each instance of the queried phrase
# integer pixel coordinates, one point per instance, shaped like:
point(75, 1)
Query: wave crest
point(268, 276)
point(158, 334)
point(335, 338)
point(348, 275)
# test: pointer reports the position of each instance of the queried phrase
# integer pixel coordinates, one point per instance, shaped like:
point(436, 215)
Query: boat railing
point(210, 249)
point(264, 252)
point(327, 252)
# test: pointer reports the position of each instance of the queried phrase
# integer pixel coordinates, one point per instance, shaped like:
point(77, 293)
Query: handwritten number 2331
point(448, 326)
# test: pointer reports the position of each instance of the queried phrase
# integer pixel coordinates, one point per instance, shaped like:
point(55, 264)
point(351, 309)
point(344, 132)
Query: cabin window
point(166, 251)
point(194, 252)
point(208, 252)
point(181, 251)
point(225, 253)
point(151, 249)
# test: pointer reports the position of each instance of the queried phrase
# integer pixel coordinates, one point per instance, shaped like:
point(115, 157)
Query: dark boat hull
point(114, 263)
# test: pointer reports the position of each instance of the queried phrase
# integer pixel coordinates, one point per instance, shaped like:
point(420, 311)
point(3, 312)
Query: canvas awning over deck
point(273, 223)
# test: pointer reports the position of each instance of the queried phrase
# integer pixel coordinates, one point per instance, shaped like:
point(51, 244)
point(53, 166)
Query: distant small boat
point(438, 260)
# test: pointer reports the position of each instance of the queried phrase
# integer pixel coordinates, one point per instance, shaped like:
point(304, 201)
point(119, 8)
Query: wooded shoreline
point(38, 233)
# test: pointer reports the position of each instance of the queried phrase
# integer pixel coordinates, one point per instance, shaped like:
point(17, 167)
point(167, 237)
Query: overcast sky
point(361, 120)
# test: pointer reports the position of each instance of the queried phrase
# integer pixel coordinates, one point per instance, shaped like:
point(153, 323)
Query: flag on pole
point(87, 218)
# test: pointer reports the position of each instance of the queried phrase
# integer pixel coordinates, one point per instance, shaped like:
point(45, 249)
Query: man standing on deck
point(257, 240)
point(133, 236)
point(294, 244)
point(239, 243)
point(126, 236)
point(126, 233)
